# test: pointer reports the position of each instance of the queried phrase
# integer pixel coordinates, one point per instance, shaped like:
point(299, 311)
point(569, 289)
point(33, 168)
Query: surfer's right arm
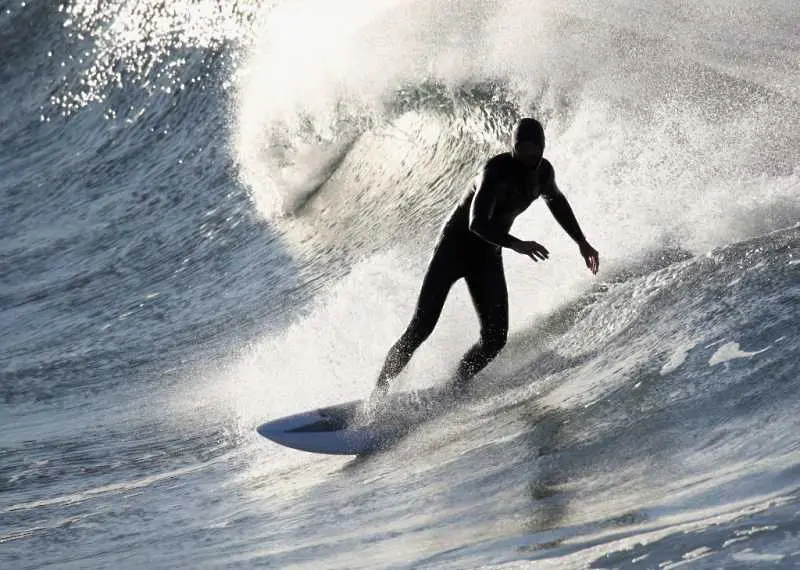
point(482, 212)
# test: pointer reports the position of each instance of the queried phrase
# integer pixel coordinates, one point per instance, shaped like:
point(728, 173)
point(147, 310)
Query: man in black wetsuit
point(470, 246)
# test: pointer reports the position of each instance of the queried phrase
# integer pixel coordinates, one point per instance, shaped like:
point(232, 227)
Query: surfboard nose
point(288, 424)
point(325, 430)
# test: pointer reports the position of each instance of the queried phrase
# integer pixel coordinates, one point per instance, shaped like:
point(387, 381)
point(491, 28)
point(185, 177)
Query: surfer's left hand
point(590, 256)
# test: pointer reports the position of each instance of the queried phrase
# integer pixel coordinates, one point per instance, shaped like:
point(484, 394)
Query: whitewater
point(216, 213)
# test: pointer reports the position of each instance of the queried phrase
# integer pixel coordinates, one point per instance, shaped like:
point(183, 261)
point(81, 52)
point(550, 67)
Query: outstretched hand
point(532, 249)
point(591, 257)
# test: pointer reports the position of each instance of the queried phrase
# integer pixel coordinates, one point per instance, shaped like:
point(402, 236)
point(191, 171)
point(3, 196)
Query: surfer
point(470, 246)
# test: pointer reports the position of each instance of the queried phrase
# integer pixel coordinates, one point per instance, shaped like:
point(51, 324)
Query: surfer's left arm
point(562, 212)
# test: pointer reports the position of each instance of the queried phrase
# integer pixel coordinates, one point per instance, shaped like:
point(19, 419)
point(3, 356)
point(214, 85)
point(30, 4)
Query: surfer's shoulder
point(546, 180)
point(499, 164)
point(502, 160)
point(547, 173)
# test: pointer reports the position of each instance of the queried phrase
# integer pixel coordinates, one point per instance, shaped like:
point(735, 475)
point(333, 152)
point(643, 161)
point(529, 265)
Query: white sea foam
point(731, 351)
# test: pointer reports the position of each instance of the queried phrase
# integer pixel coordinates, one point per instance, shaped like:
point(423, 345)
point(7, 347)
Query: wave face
point(217, 213)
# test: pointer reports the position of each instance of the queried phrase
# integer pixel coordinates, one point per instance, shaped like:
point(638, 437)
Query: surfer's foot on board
point(456, 387)
point(379, 393)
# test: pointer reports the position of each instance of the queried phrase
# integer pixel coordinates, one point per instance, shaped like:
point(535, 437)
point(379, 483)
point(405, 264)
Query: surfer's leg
point(439, 278)
point(487, 287)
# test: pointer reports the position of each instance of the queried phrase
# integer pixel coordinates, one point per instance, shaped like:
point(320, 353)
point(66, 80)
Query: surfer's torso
point(514, 188)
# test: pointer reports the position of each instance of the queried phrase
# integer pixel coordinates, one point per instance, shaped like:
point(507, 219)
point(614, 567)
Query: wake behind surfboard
point(354, 428)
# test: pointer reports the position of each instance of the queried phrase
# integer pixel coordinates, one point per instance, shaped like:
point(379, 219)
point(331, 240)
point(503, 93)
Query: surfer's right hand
point(532, 249)
point(591, 257)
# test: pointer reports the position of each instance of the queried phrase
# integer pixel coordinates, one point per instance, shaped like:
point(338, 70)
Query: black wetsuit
point(470, 246)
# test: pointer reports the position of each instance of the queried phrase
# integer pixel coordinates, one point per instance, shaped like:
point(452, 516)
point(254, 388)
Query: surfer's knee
point(411, 339)
point(417, 332)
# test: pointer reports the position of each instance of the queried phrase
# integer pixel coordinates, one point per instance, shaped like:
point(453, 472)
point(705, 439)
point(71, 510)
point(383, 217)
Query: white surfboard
point(354, 428)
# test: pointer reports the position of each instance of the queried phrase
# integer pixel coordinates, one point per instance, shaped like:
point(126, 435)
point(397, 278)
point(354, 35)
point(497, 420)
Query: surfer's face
point(528, 152)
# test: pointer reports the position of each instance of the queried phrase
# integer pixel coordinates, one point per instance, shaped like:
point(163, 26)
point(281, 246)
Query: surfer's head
point(528, 141)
